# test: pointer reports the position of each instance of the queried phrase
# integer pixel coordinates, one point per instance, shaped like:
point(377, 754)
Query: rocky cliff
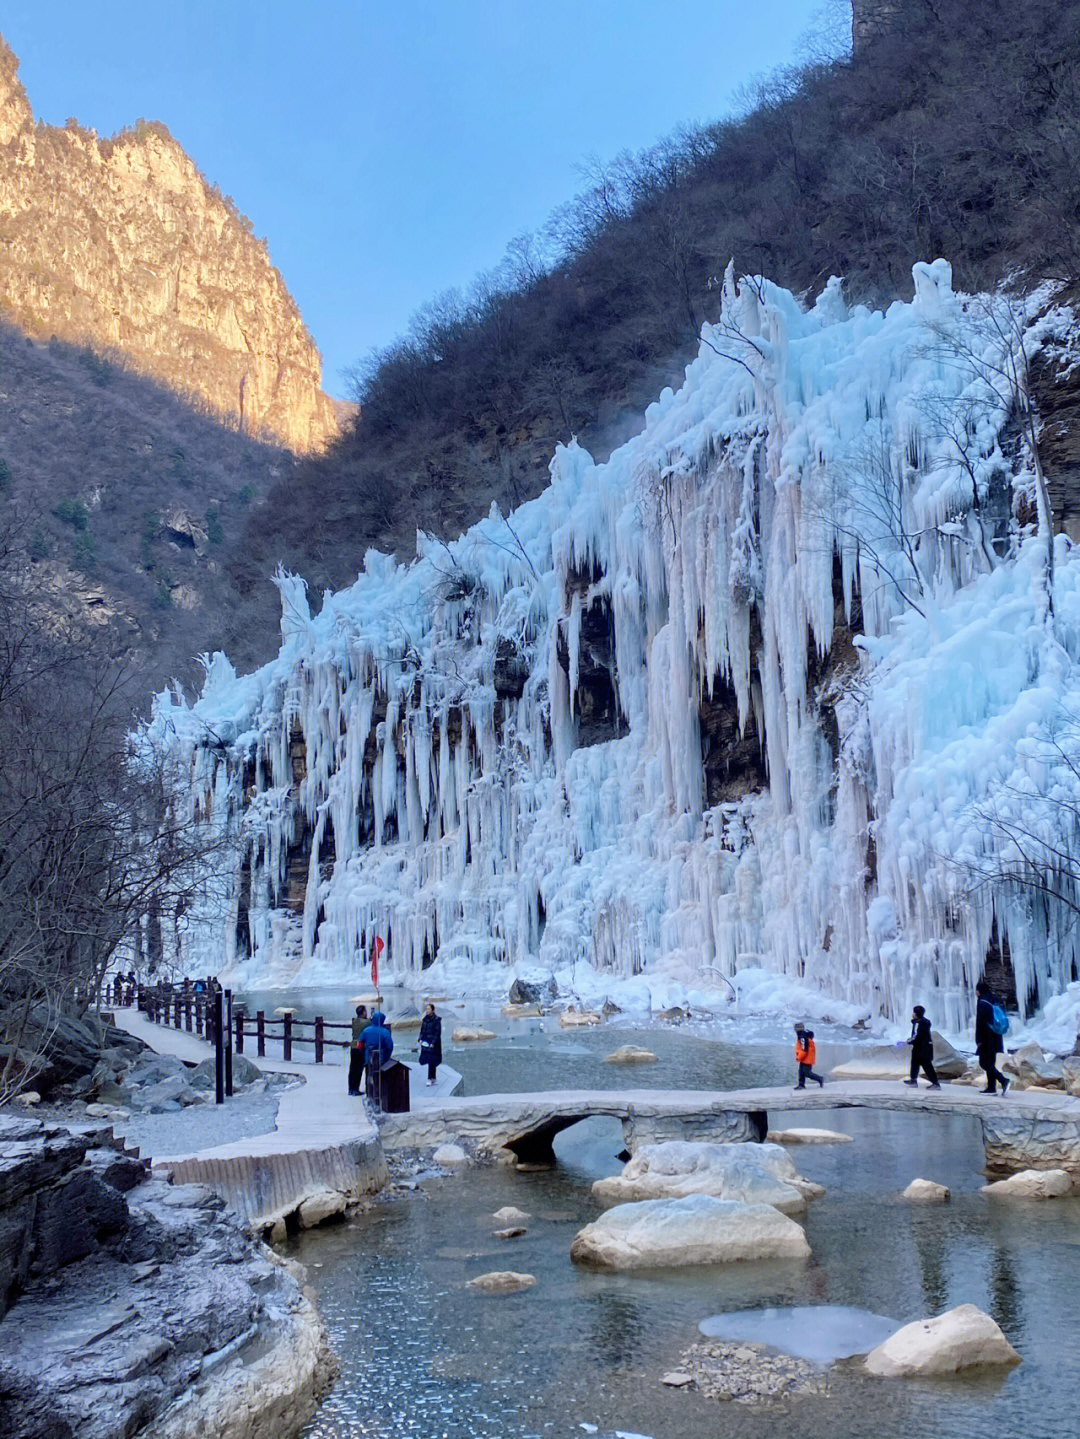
point(123, 245)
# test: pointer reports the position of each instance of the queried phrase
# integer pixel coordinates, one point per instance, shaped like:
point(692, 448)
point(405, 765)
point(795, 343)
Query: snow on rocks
point(1031, 1184)
point(808, 1136)
point(699, 1229)
point(631, 1054)
point(752, 1173)
point(501, 1281)
point(926, 1191)
point(960, 1339)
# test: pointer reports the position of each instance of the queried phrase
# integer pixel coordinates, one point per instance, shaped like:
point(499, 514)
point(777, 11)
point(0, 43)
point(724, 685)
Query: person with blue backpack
point(991, 1025)
point(378, 1047)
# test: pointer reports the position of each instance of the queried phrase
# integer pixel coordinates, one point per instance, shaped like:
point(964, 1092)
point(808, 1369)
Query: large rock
point(926, 1191)
point(752, 1173)
point(893, 1061)
point(317, 1208)
point(630, 1054)
point(204, 1075)
point(467, 1033)
point(960, 1339)
point(808, 1136)
point(1029, 1064)
point(573, 1018)
point(1032, 1184)
point(697, 1230)
point(524, 991)
point(501, 1281)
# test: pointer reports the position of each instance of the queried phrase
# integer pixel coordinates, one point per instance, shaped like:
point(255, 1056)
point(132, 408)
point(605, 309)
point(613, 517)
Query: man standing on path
point(356, 1049)
point(922, 1049)
point(988, 1041)
point(806, 1056)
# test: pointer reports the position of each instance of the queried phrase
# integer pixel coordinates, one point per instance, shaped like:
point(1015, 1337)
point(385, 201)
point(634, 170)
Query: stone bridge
point(1036, 1129)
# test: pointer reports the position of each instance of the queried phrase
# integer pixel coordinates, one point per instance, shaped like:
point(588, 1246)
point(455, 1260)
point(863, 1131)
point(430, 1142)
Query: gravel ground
point(201, 1126)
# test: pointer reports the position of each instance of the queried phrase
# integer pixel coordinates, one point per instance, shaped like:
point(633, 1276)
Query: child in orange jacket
point(806, 1056)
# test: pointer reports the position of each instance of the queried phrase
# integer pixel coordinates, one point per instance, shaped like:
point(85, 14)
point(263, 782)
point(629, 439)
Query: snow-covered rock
point(630, 1054)
point(696, 1230)
point(451, 1156)
point(508, 1214)
point(1032, 1184)
point(959, 1339)
point(927, 1191)
point(752, 1173)
point(808, 1136)
point(467, 1033)
point(501, 1281)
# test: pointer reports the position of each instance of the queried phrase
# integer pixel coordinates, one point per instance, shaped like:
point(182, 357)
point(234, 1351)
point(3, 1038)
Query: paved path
point(324, 1142)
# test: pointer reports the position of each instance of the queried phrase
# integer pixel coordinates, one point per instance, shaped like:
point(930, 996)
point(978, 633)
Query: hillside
point(122, 245)
point(125, 501)
point(952, 130)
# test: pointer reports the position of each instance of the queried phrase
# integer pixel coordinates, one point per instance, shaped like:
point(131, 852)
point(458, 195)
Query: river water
point(423, 1356)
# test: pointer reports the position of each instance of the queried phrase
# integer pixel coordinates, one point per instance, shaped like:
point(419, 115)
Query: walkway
point(1034, 1128)
point(323, 1140)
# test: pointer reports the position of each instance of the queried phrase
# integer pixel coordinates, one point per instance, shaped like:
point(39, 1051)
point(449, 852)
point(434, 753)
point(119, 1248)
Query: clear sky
point(389, 149)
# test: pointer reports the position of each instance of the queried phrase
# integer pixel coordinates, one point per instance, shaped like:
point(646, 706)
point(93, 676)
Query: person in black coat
point(431, 1042)
point(922, 1049)
point(988, 1043)
point(356, 1049)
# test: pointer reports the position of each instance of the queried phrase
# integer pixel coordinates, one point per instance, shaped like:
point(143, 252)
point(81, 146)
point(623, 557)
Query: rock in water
point(451, 1156)
point(630, 1054)
point(501, 1281)
point(808, 1136)
point(893, 1061)
point(509, 1215)
point(672, 1169)
point(957, 1340)
point(515, 1231)
point(571, 1018)
point(467, 1033)
point(1032, 1184)
point(697, 1230)
point(925, 1191)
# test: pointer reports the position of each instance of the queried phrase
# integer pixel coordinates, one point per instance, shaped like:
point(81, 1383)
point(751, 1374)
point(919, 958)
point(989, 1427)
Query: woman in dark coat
point(988, 1043)
point(431, 1042)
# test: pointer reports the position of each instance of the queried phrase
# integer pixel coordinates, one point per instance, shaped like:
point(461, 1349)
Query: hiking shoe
point(800, 1086)
point(1004, 1084)
point(987, 1091)
point(911, 1083)
point(935, 1086)
point(821, 1084)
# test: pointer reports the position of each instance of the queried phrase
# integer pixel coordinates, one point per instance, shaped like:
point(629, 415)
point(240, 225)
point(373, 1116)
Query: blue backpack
point(999, 1020)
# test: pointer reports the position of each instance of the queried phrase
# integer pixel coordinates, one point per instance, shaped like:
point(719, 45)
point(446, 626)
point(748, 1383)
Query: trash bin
point(394, 1087)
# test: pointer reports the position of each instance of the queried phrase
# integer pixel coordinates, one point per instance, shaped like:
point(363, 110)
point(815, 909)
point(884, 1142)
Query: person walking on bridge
point(922, 1049)
point(806, 1056)
point(990, 1025)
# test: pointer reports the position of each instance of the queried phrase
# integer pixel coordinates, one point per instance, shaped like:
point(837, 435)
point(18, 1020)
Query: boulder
point(323, 1204)
point(1029, 1064)
point(501, 1281)
point(672, 1169)
point(524, 991)
point(630, 1054)
point(808, 1136)
point(925, 1191)
point(1070, 1073)
point(451, 1156)
point(674, 1015)
point(963, 1337)
point(467, 1033)
point(893, 1061)
point(521, 1011)
point(571, 1018)
point(514, 1232)
point(696, 1230)
point(204, 1075)
point(509, 1215)
point(172, 1089)
point(1032, 1184)
point(677, 1379)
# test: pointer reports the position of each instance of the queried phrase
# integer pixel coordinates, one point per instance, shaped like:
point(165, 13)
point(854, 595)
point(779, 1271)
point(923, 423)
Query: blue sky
point(389, 149)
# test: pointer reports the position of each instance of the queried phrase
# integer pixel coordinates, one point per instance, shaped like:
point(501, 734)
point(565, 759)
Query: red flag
point(377, 948)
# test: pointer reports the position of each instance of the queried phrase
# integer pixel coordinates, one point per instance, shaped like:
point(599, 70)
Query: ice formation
point(776, 688)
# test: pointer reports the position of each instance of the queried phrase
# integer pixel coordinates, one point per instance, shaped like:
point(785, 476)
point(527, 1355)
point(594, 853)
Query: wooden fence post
point(286, 1043)
point(260, 1033)
point(318, 1039)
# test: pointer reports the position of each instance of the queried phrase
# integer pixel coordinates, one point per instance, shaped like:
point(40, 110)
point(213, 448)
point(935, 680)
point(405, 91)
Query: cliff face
point(121, 244)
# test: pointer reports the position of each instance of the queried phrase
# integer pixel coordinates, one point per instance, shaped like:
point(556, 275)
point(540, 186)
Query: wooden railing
point(195, 1011)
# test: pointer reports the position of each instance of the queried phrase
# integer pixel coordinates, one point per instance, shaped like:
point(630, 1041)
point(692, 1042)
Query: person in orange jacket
point(806, 1056)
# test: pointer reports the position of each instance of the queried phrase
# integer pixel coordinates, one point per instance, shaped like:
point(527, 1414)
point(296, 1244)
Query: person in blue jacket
point(378, 1047)
point(988, 1043)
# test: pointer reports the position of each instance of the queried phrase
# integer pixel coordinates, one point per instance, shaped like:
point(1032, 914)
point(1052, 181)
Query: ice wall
point(762, 690)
